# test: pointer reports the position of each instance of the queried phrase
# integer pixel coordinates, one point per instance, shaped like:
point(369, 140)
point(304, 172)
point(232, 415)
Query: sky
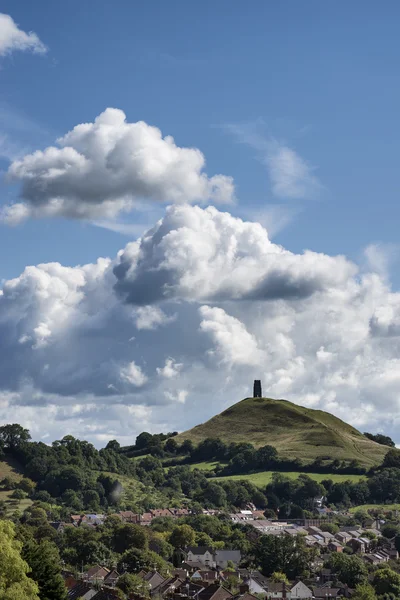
point(193, 196)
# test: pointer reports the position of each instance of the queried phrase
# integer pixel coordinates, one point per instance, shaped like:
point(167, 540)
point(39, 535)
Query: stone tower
point(257, 393)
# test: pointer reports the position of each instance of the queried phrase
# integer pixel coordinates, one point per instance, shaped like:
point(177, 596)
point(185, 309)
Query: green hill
point(295, 431)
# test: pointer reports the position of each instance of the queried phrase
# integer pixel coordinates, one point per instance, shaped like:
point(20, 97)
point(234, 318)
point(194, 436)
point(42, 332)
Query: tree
point(392, 459)
point(133, 583)
point(349, 569)
point(329, 527)
point(215, 495)
point(143, 440)
point(134, 560)
point(44, 561)
point(27, 485)
point(182, 536)
point(18, 494)
point(385, 440)
point(364, 591)
point(14, 581)
point(186, 447)
point(129, 536)
point(13, 436)
point(278, 577)
point(386, 581)
point(113, 445)
point(287, 554)
point(390, 530)
point(171, 446)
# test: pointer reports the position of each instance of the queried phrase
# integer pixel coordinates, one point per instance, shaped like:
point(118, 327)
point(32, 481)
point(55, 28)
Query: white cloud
point(133, 374)
point(69, 340)
point(151, 317)
point(291, 176)
point(101, 169)
point(170, 369)
point(207, 255)
point(179, 396)
point(12, 38)
point(233, 344)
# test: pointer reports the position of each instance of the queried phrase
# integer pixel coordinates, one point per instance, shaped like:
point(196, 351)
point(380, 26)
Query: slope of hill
point(295, 431)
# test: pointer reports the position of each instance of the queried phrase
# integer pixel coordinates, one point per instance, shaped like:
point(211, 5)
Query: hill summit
point(295, 431)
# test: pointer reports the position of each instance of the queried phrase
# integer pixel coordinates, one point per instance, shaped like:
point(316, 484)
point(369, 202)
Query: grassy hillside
point(295, 431)
point(263, 478)
point(9, 468)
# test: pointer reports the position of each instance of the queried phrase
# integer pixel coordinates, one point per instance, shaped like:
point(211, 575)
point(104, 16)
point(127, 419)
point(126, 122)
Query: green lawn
point(204, 466)
point(382, 507)
point(263, 478)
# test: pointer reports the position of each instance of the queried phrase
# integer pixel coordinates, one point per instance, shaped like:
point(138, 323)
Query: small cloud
point(13, 38)
point(179, 396)
point(133, 374)
point(290, 175)
point(380, 257)
point(151, 317)
point(170, 370)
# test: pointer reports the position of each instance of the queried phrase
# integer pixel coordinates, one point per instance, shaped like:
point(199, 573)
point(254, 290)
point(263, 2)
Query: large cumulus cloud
point(102, 168)
point(197, 254)
point(178, 325)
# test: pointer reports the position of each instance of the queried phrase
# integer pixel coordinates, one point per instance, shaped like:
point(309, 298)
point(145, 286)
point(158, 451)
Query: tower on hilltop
point(257, 393)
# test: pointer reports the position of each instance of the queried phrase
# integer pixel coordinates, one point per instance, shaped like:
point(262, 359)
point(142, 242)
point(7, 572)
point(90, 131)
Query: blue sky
point(294, 107)
point(322, 77)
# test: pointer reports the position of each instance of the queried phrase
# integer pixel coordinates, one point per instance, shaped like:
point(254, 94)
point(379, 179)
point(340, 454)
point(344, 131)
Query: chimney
point(257, 393)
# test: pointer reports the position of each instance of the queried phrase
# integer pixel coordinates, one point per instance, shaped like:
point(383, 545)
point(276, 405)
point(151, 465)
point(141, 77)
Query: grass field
point(134, 491)
point(295, 431)
point(11, 469)
point(204, 466)
point(382, 507)
point(263, 478)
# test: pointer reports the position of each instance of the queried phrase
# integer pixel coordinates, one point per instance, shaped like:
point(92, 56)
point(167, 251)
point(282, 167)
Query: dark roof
point(78, 591)
point(322, 592)
point(214, 592)
point(199, 549)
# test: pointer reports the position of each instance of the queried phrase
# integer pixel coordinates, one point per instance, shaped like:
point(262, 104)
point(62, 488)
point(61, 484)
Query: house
point(112, 578)
point(205, 575)
point(343, 537)
point(167, 588)
point(93, 519)
point(127, 516)
point(180, 512)
point(376, 558)
point(76, 519)
point(300, 590)
point(223, 557)
point(58, 526)
point(189, 589)
point(153, 579)
point(359, 545)
point(335, 546)
point(200, 554)
point(182, 573)
point(146, 518)
point(278, 590)
point(325, 592)
point(96, 574)
point(81, 591)
point(325, 576)
point(161, 512)
point(257, 583)
point(214, 592)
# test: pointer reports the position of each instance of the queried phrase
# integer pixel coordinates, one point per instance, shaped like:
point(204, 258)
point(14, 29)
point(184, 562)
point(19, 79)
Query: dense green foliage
point(286, 554)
